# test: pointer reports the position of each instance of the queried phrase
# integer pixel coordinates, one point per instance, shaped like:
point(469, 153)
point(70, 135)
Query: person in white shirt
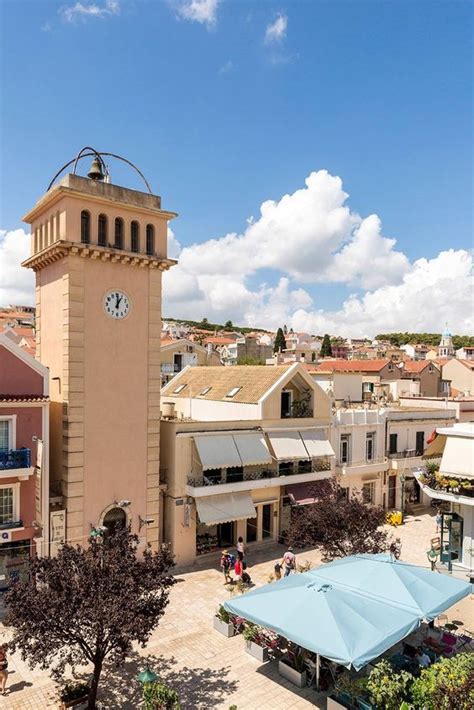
point(423, 659)
point(289, 562)
point(240, 548)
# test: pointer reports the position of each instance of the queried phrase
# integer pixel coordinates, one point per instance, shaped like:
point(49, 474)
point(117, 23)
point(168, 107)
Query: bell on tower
point(95, 172)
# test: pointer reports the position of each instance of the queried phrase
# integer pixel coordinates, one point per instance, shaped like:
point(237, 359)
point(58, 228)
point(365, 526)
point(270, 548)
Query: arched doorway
point(114, 519)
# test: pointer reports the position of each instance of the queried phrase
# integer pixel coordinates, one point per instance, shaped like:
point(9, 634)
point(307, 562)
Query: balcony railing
point(20, 458)
point(407, 454)
point(199, 481)
point(169, 368)
point(363, 462)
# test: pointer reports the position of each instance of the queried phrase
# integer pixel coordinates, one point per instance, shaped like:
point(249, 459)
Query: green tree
point(249, 361)
point(447, 684)
point(326, 350)
point(89, 604)
point(280, 342)
point(228, 325)
point(204, 321)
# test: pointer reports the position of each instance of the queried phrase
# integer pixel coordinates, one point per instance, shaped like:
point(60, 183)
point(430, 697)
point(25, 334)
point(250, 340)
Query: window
point(150, 239)
point(205, 391)
point(235, 474)
point(344, 448)
point(7, 505)
point(368, 492)
point(102, 231)
point(135, 236)
point(420, 443)
point(85, 227)
point(285, 468)
point(179, 389)
point(233, 391)
point(370, 446)
point(390, 367)
point(367, 387)
point(118, 243)
point(286, 404)
point(393, 444)
point(304, 466)
point(4, 435)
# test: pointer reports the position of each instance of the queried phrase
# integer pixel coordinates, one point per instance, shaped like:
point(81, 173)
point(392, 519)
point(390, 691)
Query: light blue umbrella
point(417, 589)
point(346, 627)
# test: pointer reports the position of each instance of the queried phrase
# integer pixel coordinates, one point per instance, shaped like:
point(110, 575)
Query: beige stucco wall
point(462, 377)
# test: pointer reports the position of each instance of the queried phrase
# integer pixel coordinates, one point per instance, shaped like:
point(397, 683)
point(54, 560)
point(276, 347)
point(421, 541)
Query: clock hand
point(119, 301)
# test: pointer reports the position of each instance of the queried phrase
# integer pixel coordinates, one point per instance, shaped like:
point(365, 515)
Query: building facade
point(177, 354)
point(98, 253)
point(240, 447)
point(24, 448)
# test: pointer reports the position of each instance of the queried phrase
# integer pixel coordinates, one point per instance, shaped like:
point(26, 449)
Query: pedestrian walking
point(396, 548)
point(240, 548)
point(277, 570)
point(3, 667)
point(226, 564)
point(439, 520)
point(289, 562)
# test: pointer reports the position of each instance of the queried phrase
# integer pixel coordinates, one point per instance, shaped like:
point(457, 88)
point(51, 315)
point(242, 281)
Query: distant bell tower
point(445, 347)
point(98, 251)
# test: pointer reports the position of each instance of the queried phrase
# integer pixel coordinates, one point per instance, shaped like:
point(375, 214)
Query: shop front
point(14, 556)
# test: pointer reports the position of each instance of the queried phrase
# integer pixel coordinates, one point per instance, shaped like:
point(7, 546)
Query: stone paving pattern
point(208, 670)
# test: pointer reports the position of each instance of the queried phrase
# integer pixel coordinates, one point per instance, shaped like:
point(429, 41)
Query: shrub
point(387, 689)
point(223, 614)
point(447, 684)
point(158, 696)
point(73, 691)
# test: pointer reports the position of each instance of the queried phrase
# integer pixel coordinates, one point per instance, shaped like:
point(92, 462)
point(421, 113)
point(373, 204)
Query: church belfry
point(98, 251)
point(446, 347)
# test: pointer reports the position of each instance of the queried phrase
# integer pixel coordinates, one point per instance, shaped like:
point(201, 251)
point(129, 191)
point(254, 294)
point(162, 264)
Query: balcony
point(346, 468)
point(15, 463)
point(441, 488)
point(198, 486)
point(170, 368)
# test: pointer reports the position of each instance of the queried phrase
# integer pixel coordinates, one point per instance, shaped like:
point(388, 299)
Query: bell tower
point(98, 251)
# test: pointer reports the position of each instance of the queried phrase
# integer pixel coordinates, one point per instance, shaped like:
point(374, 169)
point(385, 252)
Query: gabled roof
point(181, 342)
point(352, 365)
point(253, 381)
point(28, 359)
point(219, 340)
point(417, 366)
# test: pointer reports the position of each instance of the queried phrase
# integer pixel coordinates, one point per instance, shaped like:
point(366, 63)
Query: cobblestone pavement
point(208, 670)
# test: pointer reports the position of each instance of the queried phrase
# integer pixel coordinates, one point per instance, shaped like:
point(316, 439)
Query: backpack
point(231, 561)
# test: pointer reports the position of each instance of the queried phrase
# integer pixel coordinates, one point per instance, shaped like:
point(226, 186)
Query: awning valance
point(225, 508)
point(288, 445)
point(436, 447)
point(252, 448)
point(458, 457)
point(217, 451)
point(301, 493)
point(316, 443)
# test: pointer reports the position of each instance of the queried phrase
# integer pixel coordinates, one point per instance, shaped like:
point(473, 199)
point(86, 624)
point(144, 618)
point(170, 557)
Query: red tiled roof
point(352, 365)
point(416, 365)
point(217, 340)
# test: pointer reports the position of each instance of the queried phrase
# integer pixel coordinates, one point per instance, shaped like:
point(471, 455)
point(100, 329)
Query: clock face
point(116, 304)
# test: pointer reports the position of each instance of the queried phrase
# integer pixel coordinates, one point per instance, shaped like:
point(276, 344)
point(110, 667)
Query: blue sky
point(222, 113)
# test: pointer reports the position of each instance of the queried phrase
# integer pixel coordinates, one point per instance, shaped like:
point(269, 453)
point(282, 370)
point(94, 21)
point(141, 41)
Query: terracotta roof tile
point(254, 382)
point(417, 366)
point(352, 365)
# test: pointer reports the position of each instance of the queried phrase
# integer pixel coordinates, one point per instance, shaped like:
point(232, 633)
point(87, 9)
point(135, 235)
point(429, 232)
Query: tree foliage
point(388, 689)
point(447, 684)
point(228, 325)
point(326, 350)
point(432, 339)
point(247, 360)
point(336, 525)
point(280, 342)
point(89, 604)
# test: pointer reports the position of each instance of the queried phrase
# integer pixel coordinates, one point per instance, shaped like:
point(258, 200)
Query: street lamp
point(147, 676)
point(402, 480)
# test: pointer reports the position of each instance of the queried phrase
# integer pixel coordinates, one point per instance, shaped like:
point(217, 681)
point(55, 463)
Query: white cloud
point(227, 67)
point(16, 282)
point(83, 11)
point(202, 11)
point(276, 30)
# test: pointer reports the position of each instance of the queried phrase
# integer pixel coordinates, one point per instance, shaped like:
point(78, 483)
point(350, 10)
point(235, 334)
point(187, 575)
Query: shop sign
point(6, 536)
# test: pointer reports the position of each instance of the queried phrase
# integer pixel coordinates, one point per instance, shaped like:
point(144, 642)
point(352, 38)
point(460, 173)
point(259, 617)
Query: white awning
point(252, 449)
point(225, 508)
point(217, 451)
point(288, 445)
point(316, 443)
point(458, 457)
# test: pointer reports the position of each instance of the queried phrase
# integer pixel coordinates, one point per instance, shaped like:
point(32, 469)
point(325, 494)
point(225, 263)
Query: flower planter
point(76, 703)
point(296, 677)
point(258, 652)
point(334, 704)
point(223, 628)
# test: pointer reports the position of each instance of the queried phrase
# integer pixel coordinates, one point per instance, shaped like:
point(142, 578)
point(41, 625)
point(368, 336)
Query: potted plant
point(222, 622)
point(73, 694)
point(159, 696)
point(293, 668)
point(253, 643)
point(388, 689)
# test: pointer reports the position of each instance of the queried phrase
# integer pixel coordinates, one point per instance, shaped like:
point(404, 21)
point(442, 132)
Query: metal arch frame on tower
point(98, 155)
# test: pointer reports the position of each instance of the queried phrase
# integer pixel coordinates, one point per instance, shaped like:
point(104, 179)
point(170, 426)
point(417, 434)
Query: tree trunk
point(95, 684)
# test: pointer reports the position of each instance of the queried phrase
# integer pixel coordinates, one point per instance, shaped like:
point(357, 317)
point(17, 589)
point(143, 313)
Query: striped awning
point(225, 508)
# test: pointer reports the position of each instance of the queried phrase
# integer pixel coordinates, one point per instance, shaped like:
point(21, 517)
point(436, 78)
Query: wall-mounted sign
point(6, 536)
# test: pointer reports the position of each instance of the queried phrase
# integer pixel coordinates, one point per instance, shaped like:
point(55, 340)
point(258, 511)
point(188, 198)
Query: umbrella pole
point(317, 670)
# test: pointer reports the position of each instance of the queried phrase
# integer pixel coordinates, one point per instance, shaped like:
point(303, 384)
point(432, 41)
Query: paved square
point(208, 670)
